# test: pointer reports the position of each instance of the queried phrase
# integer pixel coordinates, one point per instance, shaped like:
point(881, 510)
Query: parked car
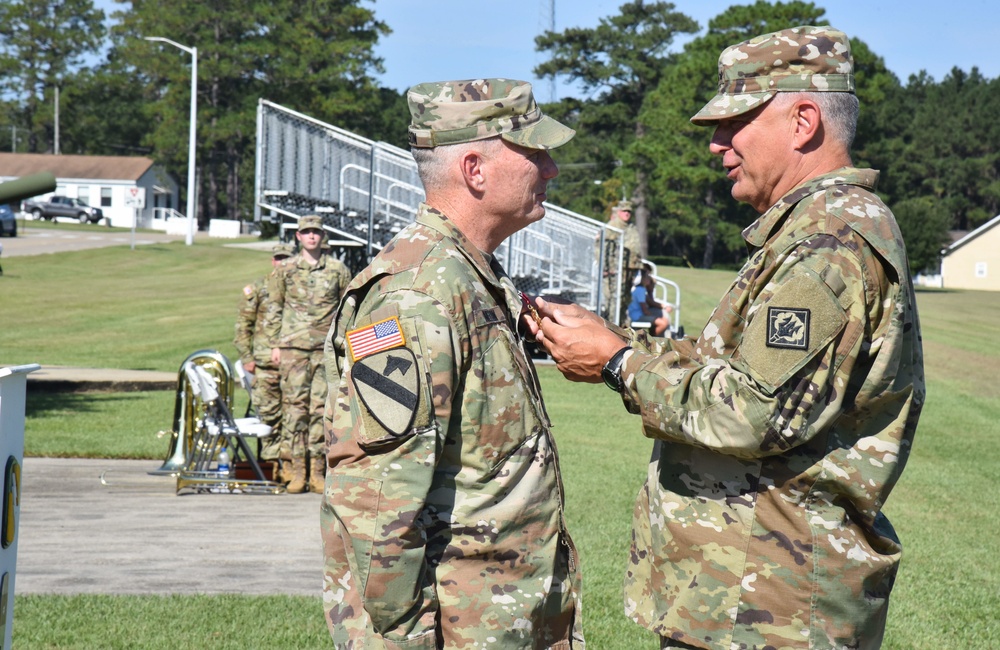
point(62, 206)
point(8, 221)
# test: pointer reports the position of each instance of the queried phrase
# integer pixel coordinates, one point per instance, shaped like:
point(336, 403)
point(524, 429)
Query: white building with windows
point(103, 181)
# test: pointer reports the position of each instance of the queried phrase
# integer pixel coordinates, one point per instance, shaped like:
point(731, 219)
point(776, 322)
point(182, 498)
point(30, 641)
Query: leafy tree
point(624, 57)
point(42, 42)
point(924, 223)
point(945, 145)
point(587, 181)
point(103, 112)
point(699, 221)
point(315, 57)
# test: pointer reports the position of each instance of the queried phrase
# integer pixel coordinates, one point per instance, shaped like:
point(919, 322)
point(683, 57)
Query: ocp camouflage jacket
point(250, 341)
point(443, 514)
point(780, 432)
point(302, 301)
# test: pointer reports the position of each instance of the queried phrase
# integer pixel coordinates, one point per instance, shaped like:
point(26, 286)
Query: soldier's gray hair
point(839, 110)
point(433, 163)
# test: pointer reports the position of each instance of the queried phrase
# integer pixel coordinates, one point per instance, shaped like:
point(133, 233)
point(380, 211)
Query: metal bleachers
point(367, 191)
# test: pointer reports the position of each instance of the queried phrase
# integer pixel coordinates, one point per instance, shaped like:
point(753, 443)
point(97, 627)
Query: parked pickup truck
point(62, 206)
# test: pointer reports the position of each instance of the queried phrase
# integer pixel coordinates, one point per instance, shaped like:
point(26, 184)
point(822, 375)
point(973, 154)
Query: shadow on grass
point(40, 404)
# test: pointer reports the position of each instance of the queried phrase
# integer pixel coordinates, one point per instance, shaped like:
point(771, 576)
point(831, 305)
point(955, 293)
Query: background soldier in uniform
point(304, 294)
point(621, 215)
point(782, 429)
point(255, 353)
point(443, 516)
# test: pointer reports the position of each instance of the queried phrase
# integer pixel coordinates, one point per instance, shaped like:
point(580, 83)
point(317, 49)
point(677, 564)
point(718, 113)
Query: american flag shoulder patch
point(374, 338)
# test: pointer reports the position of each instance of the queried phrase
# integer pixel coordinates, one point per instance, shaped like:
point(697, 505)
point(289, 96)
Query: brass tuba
point(185, 412)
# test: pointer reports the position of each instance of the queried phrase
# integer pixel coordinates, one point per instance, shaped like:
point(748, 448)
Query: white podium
point(13, 381)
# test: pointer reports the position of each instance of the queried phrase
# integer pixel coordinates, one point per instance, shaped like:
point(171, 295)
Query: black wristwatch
point(612, 371)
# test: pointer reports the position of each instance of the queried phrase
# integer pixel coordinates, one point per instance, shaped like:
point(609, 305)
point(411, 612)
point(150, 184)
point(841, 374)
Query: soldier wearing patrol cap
point(782, 429)
point(255, 354)
point(443, 520)
point(304, 293)
point(620, 220)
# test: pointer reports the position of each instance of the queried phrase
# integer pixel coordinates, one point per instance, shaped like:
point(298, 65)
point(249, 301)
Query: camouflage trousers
point(609, 287)
point(267, 400)
point(303, 397)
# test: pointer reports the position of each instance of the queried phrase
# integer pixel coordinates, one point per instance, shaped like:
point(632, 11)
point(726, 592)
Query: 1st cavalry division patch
point(388, 386)
point(788, 328)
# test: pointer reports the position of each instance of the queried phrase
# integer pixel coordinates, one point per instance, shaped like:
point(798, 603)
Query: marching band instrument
point(206, 432)
point(219, 367)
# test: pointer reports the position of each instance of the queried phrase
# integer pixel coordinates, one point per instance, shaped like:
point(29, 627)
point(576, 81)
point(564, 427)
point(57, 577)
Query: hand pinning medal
point(531, 309)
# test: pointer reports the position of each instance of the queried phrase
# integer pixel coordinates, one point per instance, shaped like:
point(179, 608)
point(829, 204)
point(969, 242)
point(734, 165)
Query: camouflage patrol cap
point(623, 205)
point(281, 250)
point(450, 112)
point(310, 221)
point(801, 59)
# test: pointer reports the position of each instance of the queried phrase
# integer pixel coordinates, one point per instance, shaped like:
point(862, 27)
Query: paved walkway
point(71, 379)
point(38, 241)
point(108, 527)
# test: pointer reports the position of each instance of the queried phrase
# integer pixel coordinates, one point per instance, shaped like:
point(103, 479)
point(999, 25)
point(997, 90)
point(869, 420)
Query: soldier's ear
point(806, 115)
point(471, 164)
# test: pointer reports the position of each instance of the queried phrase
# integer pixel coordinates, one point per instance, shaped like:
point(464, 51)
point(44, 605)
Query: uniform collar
point(436, 220)
point(302, 262)
point(757, 233)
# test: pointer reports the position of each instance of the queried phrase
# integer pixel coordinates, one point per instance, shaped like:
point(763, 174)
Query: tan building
point(102, 182)
point(973, 262)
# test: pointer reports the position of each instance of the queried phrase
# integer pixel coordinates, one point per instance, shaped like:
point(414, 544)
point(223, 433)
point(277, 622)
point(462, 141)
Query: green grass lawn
point(151, 307)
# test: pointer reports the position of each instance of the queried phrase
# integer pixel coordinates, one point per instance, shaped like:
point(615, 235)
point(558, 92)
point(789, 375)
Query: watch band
point(612, 371)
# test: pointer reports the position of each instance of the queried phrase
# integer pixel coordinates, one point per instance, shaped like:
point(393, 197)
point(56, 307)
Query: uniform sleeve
point(787, 378)
point(345, 279)
point(394, 407)
point(246, 318)
point(275, 306)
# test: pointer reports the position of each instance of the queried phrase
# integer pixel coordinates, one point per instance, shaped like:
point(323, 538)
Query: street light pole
point(193, 51)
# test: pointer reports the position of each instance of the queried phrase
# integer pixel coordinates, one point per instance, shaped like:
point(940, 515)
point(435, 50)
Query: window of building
point(83, 193)
point(980, 269)
point(105, 197)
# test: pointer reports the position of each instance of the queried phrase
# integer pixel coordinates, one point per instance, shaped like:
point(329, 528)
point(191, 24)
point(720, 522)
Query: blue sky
point(435, 40)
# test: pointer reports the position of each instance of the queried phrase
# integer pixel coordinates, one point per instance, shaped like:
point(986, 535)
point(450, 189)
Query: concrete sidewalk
point(68, 379)
point(108, 527)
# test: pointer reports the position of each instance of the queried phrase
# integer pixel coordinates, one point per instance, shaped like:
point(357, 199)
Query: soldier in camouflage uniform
point(621, 214)
point(304, 292)
point(443, 521)
point(255, 353)
point(782, 429)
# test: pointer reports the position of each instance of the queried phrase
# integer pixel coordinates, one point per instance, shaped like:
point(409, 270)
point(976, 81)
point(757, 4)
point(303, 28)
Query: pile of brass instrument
point(204, 425)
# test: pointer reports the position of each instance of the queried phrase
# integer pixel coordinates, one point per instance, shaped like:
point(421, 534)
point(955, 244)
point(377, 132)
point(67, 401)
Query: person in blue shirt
point(644, 307)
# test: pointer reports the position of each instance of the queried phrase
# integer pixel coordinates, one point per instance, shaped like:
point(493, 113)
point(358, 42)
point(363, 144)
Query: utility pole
point(56, 148)
point(547, 22)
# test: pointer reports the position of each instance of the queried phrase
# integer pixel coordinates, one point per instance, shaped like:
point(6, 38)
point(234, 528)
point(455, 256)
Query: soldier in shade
point(619, 292)
point(442, 520)
point(255, 354)
point(781, 430)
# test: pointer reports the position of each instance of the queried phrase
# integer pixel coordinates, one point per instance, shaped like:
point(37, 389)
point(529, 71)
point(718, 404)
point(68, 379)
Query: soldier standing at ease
point(255, 354)
point(304, 293)
point(443, 521)
point(621, 215)
point(782, 429)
